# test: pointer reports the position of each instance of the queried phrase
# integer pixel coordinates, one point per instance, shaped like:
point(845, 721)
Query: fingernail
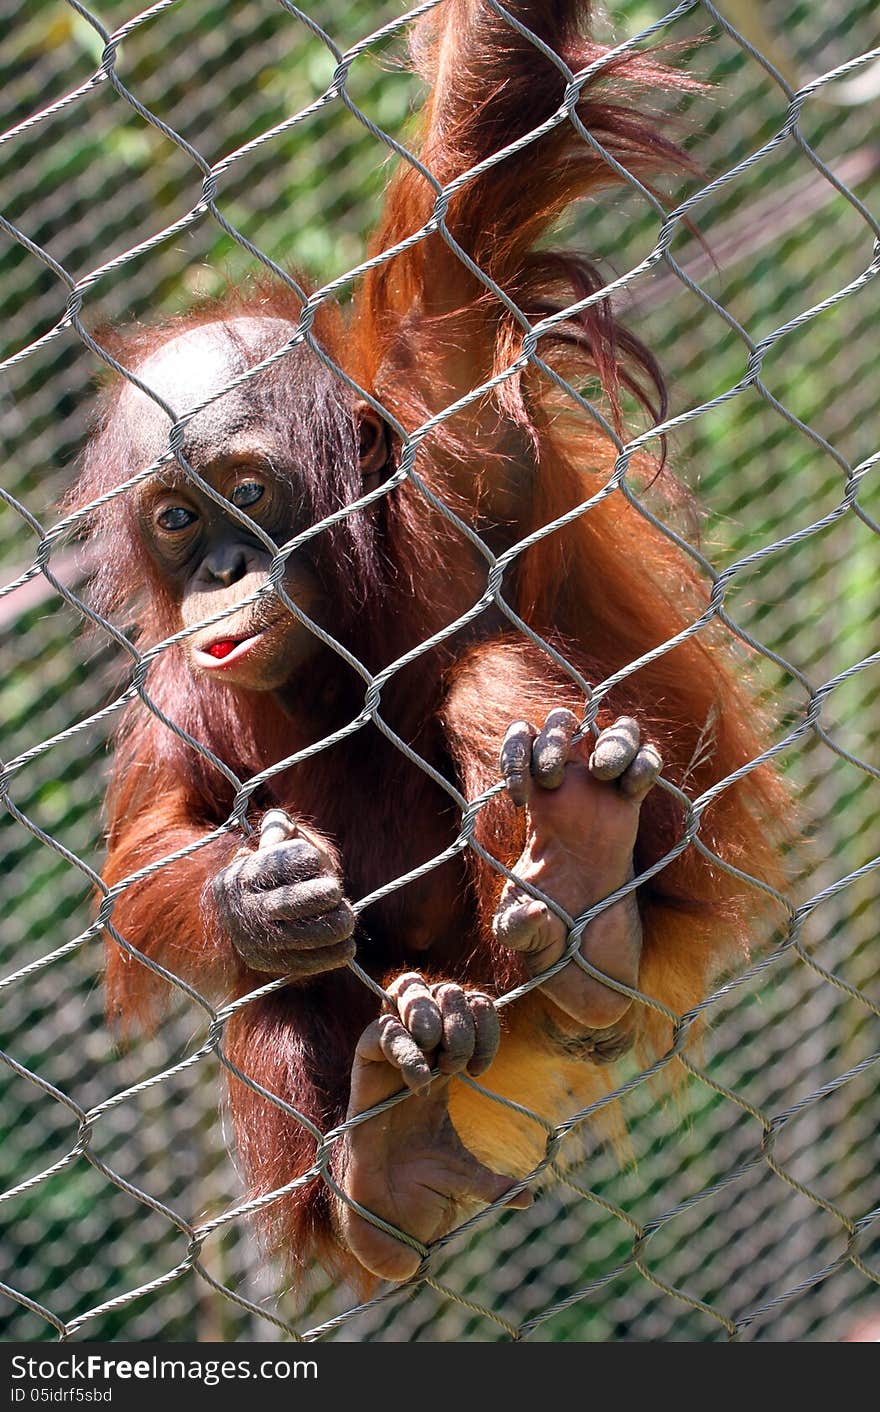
point(276, 828)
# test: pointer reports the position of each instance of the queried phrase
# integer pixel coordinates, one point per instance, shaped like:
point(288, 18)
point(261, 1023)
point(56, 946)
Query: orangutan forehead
point(198, 363)
point(193, 368)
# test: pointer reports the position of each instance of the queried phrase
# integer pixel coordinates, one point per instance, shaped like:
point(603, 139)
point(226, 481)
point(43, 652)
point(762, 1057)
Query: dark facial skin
point(210, 560)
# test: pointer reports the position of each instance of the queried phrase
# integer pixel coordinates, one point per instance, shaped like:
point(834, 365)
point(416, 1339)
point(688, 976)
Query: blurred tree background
point(88, 184)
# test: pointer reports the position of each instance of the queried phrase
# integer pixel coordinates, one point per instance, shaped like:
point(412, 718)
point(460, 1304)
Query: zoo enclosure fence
point(756, 1216)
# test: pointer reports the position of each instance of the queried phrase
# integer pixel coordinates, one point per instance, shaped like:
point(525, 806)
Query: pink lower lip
point(216, 664)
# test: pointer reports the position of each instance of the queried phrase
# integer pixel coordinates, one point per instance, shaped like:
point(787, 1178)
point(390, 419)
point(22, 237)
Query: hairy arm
point(222, 916)
point(492, 85)
point(166, 914)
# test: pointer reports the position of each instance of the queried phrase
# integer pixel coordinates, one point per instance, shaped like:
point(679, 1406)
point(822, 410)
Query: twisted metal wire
point(194, 1235)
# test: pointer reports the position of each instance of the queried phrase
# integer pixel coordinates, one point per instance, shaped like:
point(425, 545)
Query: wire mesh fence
point(146, 160)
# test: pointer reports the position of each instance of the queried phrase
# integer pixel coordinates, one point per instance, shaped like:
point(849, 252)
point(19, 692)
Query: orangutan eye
point(175, 517)
point(248, 492)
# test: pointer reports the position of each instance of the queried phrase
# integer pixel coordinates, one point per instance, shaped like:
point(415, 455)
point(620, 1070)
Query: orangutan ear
point(373, 439)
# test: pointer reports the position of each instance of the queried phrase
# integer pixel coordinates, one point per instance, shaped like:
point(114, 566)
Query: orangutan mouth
point(224, 651)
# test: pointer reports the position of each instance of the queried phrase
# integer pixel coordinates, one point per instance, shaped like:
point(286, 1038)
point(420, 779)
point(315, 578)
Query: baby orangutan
point(358, 851)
